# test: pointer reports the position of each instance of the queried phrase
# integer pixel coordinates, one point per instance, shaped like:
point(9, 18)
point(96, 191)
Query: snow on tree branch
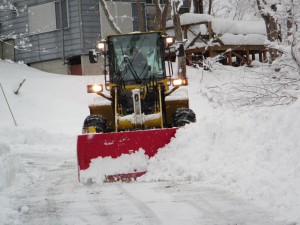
point(9, 6)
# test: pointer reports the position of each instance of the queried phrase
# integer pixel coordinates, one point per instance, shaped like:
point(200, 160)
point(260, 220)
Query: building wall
point(90, 24)
point(55, 46)
point(46, 46)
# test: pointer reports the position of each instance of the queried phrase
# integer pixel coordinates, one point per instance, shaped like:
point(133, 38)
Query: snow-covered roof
point(230, 32)
point(190, 18)
point(240, 39)
point(222, 26)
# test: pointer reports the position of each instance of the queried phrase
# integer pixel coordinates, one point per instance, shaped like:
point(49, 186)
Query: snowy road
point(53, 196)
point(244, 164)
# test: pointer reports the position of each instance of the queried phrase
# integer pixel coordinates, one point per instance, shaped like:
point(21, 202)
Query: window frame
point(56, 16)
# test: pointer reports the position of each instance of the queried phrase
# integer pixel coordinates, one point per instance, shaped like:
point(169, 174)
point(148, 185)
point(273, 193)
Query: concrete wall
point(57, 66)
point(52, 66)
point(91, 68)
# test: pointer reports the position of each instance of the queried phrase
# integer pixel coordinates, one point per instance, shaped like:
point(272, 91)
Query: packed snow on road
point(237, 165)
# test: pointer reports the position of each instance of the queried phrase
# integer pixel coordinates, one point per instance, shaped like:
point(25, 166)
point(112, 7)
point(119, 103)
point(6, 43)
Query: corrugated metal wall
point(90, 24)
point(79, 37)
point(32, 48)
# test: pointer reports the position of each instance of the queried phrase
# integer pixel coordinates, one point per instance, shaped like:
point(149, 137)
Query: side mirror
point(93, 56)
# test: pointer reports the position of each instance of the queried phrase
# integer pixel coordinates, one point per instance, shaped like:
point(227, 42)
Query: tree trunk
point(289, 24)
point(295, 49)
point(210, 6)
point(157, 19)
point(198, 6)
point(179, 38)
point(273, 32)
point(164, 15)
point(295, 46)
point(161, 15)
point(109, 17)
point(140, 15)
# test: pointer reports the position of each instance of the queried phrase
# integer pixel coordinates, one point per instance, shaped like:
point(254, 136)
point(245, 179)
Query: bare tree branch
point(109, 17)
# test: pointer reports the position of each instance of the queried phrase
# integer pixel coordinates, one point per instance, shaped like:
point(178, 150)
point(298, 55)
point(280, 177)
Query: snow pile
point(253, 154)
point(101, 167)
point(44, 100)
point(9, 167)
point(6, 167)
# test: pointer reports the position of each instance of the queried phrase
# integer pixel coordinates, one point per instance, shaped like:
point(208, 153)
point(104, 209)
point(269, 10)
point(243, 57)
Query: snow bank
point(14, 178)
point(251, 152)
point(6, 166)
point(45, 101)
point(254, 154)
point(9, 167)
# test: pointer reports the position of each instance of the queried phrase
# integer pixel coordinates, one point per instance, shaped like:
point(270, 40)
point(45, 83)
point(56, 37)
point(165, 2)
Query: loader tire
point(97, 121)
point(183, 116)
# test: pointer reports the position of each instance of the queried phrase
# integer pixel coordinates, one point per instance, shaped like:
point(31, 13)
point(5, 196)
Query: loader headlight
point(170, 40)
point(95, 88)
point(179, 82)
point(100, 45)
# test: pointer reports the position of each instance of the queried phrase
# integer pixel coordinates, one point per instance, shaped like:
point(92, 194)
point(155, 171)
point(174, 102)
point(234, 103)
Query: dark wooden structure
point(200, 46)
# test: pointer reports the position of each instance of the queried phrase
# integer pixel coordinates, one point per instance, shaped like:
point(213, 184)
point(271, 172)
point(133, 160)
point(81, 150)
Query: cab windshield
point(136, 57)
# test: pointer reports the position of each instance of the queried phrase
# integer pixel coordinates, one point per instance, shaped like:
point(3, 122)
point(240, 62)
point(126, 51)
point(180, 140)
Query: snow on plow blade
point(91, 147)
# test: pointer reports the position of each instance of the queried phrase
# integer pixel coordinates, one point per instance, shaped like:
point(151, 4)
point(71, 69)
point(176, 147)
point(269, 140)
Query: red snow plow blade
point(92, 146)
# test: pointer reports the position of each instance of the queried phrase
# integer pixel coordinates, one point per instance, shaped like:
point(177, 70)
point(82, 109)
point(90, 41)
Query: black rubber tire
point(97, 121)
point(183, 116)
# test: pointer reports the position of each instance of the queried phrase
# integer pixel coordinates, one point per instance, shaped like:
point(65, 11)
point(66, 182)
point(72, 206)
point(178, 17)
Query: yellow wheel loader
point(144, 111)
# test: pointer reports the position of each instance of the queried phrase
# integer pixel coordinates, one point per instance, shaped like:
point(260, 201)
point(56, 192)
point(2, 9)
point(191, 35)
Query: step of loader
point(92, 146)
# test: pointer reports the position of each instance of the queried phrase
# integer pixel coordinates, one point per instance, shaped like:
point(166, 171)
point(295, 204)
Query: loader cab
point(135, 58)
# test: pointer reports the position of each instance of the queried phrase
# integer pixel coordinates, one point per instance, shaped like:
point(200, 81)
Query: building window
point(64, 12)
point(47, 17)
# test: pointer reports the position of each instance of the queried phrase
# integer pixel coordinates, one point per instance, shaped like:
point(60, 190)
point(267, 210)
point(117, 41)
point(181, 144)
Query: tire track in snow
point(41, 195)
point(82, 205)
point(149, 216)
point(54, 196)
point(220, 207)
